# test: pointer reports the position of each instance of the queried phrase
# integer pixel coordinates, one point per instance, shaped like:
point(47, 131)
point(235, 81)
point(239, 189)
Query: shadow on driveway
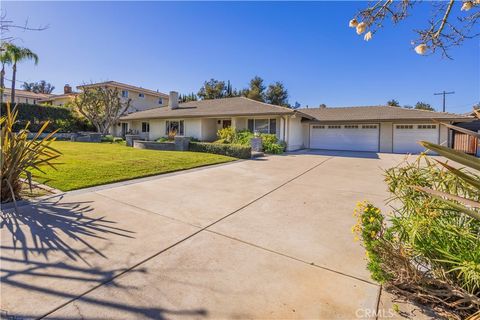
point(50, 240)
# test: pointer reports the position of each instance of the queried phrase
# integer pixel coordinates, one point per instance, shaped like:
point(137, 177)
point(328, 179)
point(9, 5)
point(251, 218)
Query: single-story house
point(376, 128)
point(24, 96)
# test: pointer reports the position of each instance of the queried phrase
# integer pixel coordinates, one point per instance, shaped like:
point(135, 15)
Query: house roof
point(124, 86)
point(26, 94)
point(378, 113)
point(59, 96)
point(237, 106)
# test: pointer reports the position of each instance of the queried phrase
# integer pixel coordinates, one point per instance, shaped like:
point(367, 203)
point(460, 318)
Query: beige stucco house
point(141, 98)
point(375, 129)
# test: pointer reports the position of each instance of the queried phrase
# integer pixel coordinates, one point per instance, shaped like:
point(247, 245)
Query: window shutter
point(250, 125)
point(273, 126)
point(167, 127)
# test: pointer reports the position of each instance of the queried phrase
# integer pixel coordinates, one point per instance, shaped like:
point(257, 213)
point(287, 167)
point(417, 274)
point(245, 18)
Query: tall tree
point(423, 106)
point(213, 89)
point(393, 103)
point(277, 94)
point(5, 59)
point(18, 54)
point(256, 90)
point(187, 97)
point(38, 87)
point(102, 106)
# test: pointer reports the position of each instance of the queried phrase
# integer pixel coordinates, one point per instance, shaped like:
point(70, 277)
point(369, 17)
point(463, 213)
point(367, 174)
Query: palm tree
point(4, 60)
point(18, 54)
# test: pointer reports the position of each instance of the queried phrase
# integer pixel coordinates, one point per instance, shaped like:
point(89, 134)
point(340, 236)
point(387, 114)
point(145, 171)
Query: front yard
point(90, 164)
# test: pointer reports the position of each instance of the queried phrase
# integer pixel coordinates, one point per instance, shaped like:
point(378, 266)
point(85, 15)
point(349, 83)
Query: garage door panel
point(407, 136)
point(351, 137)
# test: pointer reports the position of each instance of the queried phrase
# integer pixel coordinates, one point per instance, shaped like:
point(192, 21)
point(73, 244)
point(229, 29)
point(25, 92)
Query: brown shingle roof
point(26, 94)
point(377, 113)
point(238, 106)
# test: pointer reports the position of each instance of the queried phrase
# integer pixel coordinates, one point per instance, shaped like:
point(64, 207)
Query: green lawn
point(84, 165)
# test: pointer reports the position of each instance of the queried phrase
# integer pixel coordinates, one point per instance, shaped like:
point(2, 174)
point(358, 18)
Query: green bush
point(231, 150)
point(271, 144)
point(227, 134)
point(111, 139)
point(62, 119)
point(163, 139)
point(243, 137)
point(426, 247)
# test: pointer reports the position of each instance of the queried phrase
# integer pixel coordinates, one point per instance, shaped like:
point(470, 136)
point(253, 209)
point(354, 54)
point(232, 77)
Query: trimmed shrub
point(111, 139)
point(227, 134)
point(231, 150)
point(271, 144)
point(62, 119)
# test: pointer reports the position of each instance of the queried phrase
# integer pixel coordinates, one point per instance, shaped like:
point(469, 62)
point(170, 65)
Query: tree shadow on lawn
point(41, 230)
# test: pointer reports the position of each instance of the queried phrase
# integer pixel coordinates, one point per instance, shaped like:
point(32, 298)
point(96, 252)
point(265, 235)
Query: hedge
point(62, 118)
point(231, 150)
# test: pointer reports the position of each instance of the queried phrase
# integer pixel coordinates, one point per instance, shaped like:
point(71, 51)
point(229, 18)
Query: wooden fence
point(464, 142)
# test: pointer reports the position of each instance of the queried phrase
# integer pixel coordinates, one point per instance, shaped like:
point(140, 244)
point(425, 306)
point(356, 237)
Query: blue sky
point(178, 45)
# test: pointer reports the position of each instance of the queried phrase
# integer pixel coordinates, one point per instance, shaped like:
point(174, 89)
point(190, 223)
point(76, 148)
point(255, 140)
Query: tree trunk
point(2, 83)
point(14, 77)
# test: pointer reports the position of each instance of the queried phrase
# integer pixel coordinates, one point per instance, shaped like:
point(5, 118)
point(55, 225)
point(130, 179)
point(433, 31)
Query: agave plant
point(19, 155)
point(458, 202)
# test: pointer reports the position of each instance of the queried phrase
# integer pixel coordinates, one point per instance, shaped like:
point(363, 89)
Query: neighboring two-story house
point(141, 98)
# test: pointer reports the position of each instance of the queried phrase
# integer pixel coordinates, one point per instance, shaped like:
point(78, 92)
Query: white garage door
point(351, 137)
point(406, 137)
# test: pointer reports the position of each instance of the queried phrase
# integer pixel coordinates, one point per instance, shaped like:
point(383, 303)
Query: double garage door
point(366, 137)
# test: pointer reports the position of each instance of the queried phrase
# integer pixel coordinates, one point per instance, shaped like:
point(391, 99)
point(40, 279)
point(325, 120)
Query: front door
point(226, 123)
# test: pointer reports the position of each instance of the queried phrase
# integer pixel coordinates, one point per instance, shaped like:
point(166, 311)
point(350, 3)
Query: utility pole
point(443, 94)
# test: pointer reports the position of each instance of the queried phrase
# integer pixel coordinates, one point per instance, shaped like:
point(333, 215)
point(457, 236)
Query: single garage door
point(351, 137)
point(407, 136)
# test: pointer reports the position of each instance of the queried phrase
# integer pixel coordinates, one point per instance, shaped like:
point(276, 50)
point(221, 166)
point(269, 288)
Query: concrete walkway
point(267, 238)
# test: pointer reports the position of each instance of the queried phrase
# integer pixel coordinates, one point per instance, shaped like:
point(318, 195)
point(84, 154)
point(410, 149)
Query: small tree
point(256, 90)
point(393, 103)
point(213, 89)
point(277, 94)
point(423, 106)
point(102, 106)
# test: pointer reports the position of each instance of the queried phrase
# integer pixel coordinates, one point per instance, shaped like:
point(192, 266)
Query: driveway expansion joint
point(294, 258)
point(127, 270)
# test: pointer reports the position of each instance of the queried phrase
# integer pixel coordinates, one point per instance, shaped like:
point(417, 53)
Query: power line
point(444, 94)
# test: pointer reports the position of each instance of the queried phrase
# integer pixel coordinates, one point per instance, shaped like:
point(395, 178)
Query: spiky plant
point(458, 202)
point(19, 155)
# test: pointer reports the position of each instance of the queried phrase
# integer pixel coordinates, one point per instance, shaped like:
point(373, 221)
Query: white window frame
point(181, 125)
point(141, 95)
point(269, 122)
point(147, 126)
point(160, 101)
point(124, 93)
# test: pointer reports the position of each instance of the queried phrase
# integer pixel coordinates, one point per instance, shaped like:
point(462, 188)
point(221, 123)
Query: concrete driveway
point(267, 238)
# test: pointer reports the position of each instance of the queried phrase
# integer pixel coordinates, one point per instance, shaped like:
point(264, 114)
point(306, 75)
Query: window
point(26, 100)
point(318, 127)
point(124, 93)
point(145, 127)
point(334, 127)
point(427, 126)
point(369, 126)
point(160, 101)
point(404, 126)
point(34, 101)
point(176, 126)
point(262, 125)
point(141, 95)
point(351, 126)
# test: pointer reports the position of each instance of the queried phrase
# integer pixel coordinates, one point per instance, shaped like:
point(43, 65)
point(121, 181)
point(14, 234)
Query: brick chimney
point(173, 100)
point(67, 89)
